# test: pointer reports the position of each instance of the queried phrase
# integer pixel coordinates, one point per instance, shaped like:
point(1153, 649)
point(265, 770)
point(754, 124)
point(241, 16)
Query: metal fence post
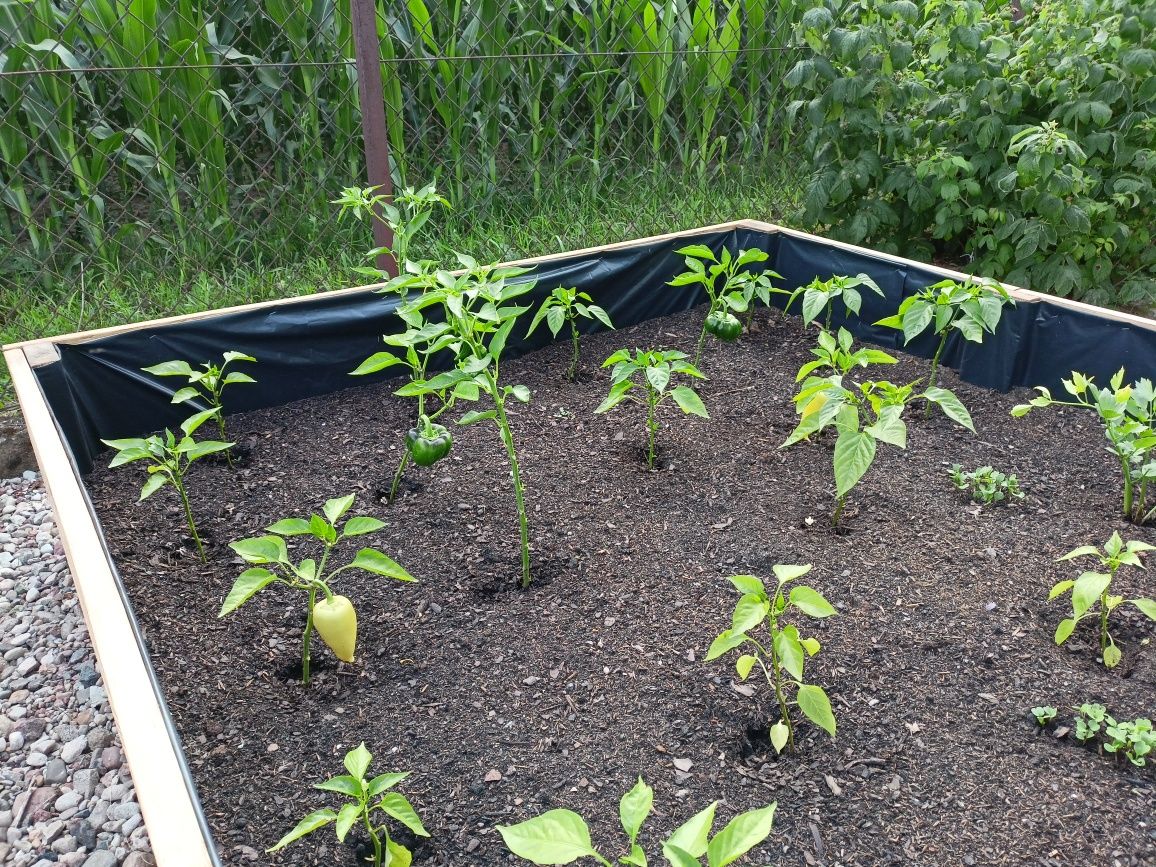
point(367, 52)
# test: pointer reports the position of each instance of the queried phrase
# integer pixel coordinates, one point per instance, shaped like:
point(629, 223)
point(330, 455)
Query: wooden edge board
point(37, 345)
point(166, 806)
point(1016, 292)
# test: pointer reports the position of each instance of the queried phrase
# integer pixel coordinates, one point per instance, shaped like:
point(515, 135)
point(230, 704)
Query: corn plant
point(476, 304)
point(1128, 413)
point(168, 461)
point(206, 385)
point(651, 39)
point(820, 295)
point(361, 810)
point(650, 372)
point(781, 652)
point(563, 837)
point(564, 306)
point(737, 292)
point(969, 308)
point(334, 617)
point(710, 56)
point(1094, 587)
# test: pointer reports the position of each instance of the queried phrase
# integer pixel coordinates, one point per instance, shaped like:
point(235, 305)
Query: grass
point(568, 213)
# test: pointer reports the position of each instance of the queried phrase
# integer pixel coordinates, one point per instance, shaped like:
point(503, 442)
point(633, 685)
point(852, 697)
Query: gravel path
point(66, 798)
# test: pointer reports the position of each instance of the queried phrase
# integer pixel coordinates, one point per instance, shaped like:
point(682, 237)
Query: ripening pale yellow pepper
point(336, 623)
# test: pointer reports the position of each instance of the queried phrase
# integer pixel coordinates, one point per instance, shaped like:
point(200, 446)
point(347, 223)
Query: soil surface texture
point(506, 703)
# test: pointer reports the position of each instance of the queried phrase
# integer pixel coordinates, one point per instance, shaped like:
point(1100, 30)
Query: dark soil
point(594, 676)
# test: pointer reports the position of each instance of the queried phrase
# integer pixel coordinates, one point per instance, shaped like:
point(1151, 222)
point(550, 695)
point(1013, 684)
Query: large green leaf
point(689, 401)
point(790, 651)
point(398, 806)
point(555, 837)
point(890, 427)
point(357, 761)
point(634, 807)
point(811, 602)
point(248, 584)
point(740, 835)
point(854, 452)
point(261, 549)
point(315, 820)
point(379, 564)
point(951, 405)
point(691, 836)
point(750, 611)
point(1148, 606)
point(1087, 590)
point(347, 817)
point(726, 641)
point(813, 702)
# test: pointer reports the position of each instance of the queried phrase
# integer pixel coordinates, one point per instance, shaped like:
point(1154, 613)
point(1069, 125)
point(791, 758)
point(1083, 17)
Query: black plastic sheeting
point(307, 347)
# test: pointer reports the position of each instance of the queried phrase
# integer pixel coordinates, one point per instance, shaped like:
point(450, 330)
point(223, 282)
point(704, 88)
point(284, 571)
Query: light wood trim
point(165, 804)
point(1016, 292)
point(97, 333)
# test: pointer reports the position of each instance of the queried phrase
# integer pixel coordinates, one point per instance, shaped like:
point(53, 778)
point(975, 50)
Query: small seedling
point(971, 308)
point(653, 370)
point(564, 306)
point(360, 810)
point(1128, 413)
point(740, 287)
point(1093, 587)
point(1090, 718)
point(986, 485)
point(334, 616)
point(781, 652)
point(206, 385)
point(1133, 740)
point(1044, 715)
point(563, 837)
point(820, 295)
point(169, 460)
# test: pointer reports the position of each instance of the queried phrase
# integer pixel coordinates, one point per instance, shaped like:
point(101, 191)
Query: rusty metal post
point(367, 52)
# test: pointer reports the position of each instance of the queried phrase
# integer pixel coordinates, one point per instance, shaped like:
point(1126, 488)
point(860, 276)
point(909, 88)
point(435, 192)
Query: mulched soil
point(594, 676)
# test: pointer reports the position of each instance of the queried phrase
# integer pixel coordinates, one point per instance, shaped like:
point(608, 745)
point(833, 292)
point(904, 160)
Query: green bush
point(950, 130)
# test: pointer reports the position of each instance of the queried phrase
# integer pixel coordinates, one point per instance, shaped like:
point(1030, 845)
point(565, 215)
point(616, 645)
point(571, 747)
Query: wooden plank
point(97, 333)
point(166, 806)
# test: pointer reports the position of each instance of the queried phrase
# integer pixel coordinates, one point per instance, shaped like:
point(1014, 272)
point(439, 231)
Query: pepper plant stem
point(308, 637)
point(651, 426)
point(372, 836)
point(574, 354)
point(777, 683)
point(701, 340)
point(189, 515)
point(402, 464)
point(933, 376)
point(840, 502)
point(511, 453)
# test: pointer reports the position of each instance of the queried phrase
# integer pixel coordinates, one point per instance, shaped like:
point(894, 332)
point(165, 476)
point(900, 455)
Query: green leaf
point(290, 527)
point(658, 376)
point(520, 393)
point(1060, 588)
point(726, 641)
point(343, 785)
point(890, 427)
point(357, 761)
point(383, 782)
point(750, 611)
point(854, 453)
point(811, 602)
point(262, 549)
point(813, 702)
point(1087, 590)
point(399, 856)
point(785, 572)
point(190, 425)
point(740, 835)
point(196, 450)
point(916, 319)
point(338, 506)
point(744, 664)
point(170, 368)
point(688, 401)
point(377, 361)
point(555, 837)
point(361, 525)
point(780, 735)
point(1112, 656)
point(748, 584)
point(153, 484)
point(347, 816)
point(1064, 630)
point(395, 804)
point(699, 251)
point(473, 416)
point(1148, 606)
point(634, 807)
point(677, 857)
point(315, 820)
point(951, 406)
point(1082, 551)
point(790, 652)
point(692, 835)
point(248, 584)
point(379, 564)
point(186, 393)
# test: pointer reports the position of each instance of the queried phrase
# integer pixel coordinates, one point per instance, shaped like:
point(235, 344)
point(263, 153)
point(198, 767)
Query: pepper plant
point(1093, 587)
point(169, 460)
point(477, 306)
point(737, 292)
point(405, 213)
point(986, 485)
point(367, 797)
point(970, 308)
point(650, 372)
point(780, 651)
point(563, 306)
point(834, 353)
point(1128, 414)
point(334, 616)
point(820, 295)
point(563, 837)
point(207, 384)
point(864, 414)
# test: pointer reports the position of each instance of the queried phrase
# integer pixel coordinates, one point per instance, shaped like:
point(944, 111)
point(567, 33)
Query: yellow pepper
point(336, 623)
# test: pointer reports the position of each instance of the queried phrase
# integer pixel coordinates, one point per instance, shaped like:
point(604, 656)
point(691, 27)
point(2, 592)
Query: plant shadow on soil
point(595, 676)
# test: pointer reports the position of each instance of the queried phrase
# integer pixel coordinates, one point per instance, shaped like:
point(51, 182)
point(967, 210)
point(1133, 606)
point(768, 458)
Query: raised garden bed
point(572, 689)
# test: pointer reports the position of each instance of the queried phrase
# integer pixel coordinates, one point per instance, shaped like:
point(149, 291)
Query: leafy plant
point(477, 307)
point(969, 308)
point(404, 214)
point(1044, 715)
point(820, 295)
point(781, 653)
point(563, 837)
point(361, 809)
point(1134, 740)
point(834, 353)
point(563, 306)
point(334, 616)
point(207, 384)
point(1093, 587)
point(986, 485)
point(1090, 718)
point(740, 287)
point(650, 372)
point(1127, 413)
point(169, 460)
point(864, 415)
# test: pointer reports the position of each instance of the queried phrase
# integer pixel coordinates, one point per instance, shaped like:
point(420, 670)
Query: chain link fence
point(159, 157)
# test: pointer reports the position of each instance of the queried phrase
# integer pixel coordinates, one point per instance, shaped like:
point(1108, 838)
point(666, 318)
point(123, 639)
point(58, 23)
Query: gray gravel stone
point(100, 858)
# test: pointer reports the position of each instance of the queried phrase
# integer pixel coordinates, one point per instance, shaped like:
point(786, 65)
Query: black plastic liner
point(307, 348)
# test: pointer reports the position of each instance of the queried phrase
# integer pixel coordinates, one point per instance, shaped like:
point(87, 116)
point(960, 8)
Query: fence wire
point(149, 143)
